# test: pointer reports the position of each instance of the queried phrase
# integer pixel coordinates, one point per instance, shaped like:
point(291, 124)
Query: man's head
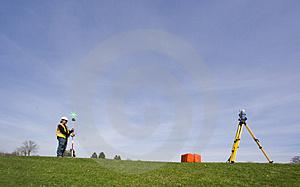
point(64, 120)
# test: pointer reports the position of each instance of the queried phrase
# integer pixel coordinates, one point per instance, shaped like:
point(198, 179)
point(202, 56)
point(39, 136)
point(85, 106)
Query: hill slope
point(46, 171)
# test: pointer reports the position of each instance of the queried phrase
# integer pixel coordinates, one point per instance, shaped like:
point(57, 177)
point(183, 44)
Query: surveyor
point(62, 134)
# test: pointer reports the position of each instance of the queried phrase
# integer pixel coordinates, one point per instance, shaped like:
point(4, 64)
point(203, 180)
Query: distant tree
point(16, 153)
point(102, 155)
point(295, 159)
point(94, 155)
point(20, 151)
point(117, 157)
point(28, 147)
point(6, 154)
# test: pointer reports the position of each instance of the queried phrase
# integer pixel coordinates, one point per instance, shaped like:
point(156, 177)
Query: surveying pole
point(238, 135)
point(73, 115)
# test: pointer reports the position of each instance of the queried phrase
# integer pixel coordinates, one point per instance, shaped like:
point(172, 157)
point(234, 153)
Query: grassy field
point(46, 171)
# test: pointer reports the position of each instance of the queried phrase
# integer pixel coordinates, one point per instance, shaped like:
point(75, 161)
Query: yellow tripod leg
point(236, 143)
point(232, 149)
point(258, 143)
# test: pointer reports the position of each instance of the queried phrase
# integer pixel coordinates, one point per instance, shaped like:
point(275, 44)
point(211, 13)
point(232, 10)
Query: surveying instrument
point(73, 115)
point(238, 135)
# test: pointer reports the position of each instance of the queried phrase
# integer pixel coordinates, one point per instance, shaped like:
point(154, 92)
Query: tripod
point(72, 147)
point(238, 135)
point(73, 114)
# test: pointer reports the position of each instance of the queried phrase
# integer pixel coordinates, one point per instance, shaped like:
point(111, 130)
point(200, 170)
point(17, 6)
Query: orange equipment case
point(191, 158)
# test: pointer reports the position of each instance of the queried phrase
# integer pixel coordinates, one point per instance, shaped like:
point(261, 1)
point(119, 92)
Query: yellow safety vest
point(59, 134)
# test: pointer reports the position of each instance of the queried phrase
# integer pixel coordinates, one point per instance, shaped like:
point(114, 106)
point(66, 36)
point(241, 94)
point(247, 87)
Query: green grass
point(46, 171)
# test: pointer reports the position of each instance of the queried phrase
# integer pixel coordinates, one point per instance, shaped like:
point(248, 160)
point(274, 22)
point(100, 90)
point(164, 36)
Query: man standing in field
point(62, 134)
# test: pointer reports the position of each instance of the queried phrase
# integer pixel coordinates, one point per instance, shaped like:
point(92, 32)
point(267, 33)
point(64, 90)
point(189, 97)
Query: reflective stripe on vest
point(59, 134)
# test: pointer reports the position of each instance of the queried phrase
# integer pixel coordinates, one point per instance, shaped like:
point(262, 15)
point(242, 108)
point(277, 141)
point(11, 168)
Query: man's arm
point(71, 131)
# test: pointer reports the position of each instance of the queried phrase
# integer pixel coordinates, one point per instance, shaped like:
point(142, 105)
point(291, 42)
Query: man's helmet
point(64, 118)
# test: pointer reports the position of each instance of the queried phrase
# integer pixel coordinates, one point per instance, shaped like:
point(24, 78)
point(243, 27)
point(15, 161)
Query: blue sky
point(249, 51)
